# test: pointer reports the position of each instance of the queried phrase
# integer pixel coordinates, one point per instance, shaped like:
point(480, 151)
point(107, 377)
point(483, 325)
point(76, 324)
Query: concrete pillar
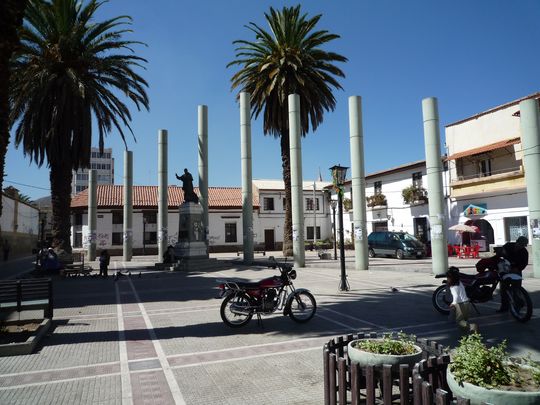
point(128, 206)
point(203, 164)
point(163, 202)
point(247, 187)
point(358, 183)
point(434, 171)
point(92, 214)
point(530, 141)
point(297, 190)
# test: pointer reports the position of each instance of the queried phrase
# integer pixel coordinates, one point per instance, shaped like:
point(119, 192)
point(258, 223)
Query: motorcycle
point(244, 299)
point(480, 288)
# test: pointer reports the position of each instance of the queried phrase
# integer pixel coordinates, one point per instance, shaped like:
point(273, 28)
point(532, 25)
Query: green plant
point(347, 204)
point(375, 200)
point(475, 363)
point(401, 344)
point(413, 193)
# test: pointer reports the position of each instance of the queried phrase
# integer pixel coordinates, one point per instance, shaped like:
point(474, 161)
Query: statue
point(187, 187)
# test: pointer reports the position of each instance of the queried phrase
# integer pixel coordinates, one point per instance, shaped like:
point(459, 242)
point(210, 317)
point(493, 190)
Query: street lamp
point(333, 204)
point(338, 178)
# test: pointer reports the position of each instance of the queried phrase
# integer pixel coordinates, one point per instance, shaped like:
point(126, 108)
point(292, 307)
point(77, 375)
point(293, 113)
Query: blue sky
point(471, 55)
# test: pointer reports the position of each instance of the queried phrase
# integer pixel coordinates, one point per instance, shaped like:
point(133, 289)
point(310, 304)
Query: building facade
point(224, 216)
point(487, 178)
point(102, 163)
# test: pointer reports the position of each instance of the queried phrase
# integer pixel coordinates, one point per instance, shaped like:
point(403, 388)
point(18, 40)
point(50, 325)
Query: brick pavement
point(159, 339)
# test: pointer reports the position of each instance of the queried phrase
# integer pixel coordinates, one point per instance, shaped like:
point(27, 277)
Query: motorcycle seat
point(467, 276)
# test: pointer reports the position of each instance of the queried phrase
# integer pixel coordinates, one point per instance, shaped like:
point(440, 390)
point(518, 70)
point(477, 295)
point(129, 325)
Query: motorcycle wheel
point(520, 303)
point(303, 307)
point(231, 317)
point(442, 299)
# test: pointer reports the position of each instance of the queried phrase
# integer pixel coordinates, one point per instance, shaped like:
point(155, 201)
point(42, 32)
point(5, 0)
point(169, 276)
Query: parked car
point(397, 244)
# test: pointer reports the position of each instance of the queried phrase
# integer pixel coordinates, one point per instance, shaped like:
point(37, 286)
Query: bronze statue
point(187, 187)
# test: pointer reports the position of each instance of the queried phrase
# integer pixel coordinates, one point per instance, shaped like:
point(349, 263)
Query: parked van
point(397, 244)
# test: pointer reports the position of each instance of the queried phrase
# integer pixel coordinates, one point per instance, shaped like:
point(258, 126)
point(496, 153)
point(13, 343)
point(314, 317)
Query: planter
point(479, 395)
point(27, 347)
point(364, 358)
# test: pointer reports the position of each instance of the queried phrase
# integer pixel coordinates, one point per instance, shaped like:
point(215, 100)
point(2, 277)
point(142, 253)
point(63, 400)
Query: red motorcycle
point(277, 293)
point(480, 288)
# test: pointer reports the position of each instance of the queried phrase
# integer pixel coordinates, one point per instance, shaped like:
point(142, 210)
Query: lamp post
point(338, 177)
point(333, 204)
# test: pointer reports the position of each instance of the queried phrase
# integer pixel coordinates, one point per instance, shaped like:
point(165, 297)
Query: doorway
point(269, 240)
point(484, 237)
point(380, 226)
point(420, 229)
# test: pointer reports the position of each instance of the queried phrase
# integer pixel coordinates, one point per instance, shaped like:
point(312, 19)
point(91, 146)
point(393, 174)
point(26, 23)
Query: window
point(230, 232)
point(309, 204)
point(150, 238)
point(117, 217)
point(484, 167)
point(515, 227)
point(310, 233)
point(268, 203)
point(417, 179)
point(284, 204)
point(150, 217)
point(117, 238)
point(78, 219)
point(377, 187)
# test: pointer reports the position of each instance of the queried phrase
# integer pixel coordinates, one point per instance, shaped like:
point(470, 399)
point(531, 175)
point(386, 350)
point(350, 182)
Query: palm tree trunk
point(11, 16)
point(60, 177)
point(286, 166)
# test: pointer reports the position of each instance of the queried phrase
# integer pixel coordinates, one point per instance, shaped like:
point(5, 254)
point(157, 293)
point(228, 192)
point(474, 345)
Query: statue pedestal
point(191, 250)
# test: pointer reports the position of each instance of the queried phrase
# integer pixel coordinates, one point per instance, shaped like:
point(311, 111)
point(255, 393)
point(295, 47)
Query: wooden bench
point(76, 267)
point(20, 295)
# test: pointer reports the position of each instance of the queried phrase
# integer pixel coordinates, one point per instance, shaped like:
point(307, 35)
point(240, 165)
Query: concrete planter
point(16, 349)
point(364, 358)
point(479, 395)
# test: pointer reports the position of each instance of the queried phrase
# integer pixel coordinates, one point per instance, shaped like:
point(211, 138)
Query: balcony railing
point(493, 175)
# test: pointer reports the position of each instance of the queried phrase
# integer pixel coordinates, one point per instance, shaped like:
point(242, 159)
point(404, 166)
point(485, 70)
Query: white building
point(19, 223)
point(224, 216)
point(104, 165)
point(487, 179)
point(396, 200)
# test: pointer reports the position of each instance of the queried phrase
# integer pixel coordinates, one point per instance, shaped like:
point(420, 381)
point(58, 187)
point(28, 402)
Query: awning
point(485, 148)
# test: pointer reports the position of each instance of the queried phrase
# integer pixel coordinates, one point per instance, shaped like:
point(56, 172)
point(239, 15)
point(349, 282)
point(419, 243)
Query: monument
point(191, 250)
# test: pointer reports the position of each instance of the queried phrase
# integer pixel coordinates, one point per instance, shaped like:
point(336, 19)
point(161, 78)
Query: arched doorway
point(484, 237)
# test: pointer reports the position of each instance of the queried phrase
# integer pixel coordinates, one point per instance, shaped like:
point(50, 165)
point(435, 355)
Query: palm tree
point(70, 68)
point(11, 17)
point(287, 60)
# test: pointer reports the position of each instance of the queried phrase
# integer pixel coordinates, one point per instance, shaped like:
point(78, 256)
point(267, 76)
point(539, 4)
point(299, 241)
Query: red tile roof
point(485, 148)
point(147, 196)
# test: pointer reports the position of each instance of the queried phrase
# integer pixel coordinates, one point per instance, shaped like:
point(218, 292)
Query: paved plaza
point(157, 337)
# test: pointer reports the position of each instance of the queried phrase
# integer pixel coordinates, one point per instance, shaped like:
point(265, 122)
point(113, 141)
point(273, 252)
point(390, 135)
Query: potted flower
point(376, 200)
point(389, 349)
point(414, 195)
point(489, 375)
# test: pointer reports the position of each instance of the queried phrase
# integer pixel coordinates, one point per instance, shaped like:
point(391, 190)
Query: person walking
point(104, 260)
point(460, 306)
point(6, 248)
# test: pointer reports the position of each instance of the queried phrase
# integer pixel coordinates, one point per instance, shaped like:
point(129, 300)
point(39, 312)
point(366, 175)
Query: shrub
point(375, 200)
point(389, 344)
point(413, 193)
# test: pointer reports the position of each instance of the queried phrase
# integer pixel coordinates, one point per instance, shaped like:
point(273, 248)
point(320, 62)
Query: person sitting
point(51, 262)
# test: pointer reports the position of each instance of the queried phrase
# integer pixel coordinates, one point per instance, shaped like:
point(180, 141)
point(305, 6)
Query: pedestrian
point(6, 248)
point(104, 260)
point(460, 306)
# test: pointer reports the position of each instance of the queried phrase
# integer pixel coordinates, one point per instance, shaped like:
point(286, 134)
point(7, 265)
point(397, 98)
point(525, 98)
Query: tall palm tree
point(288, 59)
point(11, 17)
point(69, 69)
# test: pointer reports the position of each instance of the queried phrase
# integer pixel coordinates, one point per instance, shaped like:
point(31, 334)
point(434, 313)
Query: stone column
point(163, 202)
point(358, 183)
point(530, 141)
point(247, 188)
point(92, 214)
point(203, 164)
point(297, 190)
point(128, 206)
point(434, 171)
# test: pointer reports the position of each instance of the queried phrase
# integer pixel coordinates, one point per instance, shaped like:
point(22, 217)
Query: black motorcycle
point(480, 288)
